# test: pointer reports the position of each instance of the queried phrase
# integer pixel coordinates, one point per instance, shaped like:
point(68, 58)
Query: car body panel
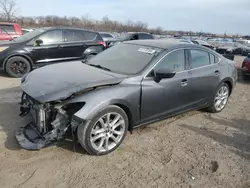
point(66, 79)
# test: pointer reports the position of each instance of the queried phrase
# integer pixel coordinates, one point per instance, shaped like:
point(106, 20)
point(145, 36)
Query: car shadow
point(239, 140)
point(9, 119)
point(3, 74)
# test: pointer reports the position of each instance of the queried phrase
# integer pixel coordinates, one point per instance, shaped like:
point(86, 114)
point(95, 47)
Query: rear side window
point(7, 28)
point(199, 58)
point(52, 37)
point(74, 36)
point(89, 35)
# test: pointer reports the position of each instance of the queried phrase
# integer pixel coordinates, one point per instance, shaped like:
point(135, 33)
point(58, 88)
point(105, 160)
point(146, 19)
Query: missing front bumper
point(29, 138)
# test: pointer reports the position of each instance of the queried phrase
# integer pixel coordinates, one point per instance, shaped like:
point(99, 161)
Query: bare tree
point(8, 9)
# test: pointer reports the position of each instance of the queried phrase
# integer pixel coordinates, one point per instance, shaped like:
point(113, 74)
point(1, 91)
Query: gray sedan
point(129, 85)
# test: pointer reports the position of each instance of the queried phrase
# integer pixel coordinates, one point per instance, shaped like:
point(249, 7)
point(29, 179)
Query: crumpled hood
point(60, 81)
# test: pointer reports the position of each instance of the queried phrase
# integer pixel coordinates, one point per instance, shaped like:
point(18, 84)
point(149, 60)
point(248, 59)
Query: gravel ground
point(196, 149)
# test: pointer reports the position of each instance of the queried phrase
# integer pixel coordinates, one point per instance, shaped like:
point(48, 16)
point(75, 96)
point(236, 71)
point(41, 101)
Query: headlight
point(3, 48)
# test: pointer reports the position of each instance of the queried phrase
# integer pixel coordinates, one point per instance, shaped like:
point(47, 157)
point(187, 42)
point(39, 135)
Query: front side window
point(199, 58)
point(52, 37)
point(174, 61)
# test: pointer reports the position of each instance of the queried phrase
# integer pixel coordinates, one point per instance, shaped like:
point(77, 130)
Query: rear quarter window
point(89, 35)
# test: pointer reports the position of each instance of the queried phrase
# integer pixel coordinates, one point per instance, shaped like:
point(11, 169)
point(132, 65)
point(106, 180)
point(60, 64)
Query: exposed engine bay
point(49, 122)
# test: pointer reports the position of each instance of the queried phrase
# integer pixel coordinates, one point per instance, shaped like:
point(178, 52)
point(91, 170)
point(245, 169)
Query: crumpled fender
point(100, 98)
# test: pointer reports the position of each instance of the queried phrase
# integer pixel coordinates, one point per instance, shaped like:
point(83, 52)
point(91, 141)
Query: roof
point(161, 43)
point(71, 28)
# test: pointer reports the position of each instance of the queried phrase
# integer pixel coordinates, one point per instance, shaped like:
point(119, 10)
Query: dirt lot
point(196, 149)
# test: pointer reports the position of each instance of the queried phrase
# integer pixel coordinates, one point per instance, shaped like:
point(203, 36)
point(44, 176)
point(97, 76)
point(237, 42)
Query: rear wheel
point(220, 99)
point(105, 132)
point(17, 67)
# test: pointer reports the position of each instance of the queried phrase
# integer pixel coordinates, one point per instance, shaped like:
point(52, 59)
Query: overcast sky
point(215, 16)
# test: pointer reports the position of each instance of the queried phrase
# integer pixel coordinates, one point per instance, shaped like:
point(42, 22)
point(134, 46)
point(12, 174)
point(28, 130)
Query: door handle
point(60, 46)
point(217, 73)
point(184, 82)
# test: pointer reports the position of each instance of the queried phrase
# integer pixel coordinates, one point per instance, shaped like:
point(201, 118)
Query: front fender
point(100, 98)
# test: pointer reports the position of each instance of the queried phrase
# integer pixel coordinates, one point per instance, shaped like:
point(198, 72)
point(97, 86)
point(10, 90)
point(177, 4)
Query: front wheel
point(105, 132)
point(220, 99)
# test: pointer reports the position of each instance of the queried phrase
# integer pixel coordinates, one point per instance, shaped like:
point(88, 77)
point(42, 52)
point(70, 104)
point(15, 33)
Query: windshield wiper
point(99, 66)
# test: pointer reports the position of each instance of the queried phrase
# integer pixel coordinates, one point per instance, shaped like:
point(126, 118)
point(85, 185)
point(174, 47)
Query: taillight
point(102, 43)
point(246, 64)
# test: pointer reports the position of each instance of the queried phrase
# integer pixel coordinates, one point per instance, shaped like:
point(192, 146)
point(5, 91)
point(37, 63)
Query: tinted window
point(7, 28)
point(89, 35)
point(145, 36)
point(74, 36)
point(175, 61)
point(52, 37)
point(212, 58)
point(125, 58)
point(199, 58)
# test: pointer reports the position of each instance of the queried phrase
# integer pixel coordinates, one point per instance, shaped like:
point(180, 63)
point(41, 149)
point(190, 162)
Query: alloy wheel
point(221, 98)
point(107, 132)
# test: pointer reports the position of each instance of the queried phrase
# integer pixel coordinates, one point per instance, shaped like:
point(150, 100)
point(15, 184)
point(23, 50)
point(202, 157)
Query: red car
point(246, 67)
point(8, 31)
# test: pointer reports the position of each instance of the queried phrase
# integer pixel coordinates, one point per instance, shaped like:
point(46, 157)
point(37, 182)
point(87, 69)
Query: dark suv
point(129, 36)
point(48, 45)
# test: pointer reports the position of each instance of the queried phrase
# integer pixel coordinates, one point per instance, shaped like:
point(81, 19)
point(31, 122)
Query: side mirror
point(38, 42)
point(163, 73)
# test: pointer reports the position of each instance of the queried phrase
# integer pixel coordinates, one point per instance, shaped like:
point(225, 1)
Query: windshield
point(105, 35)
point(125, 36)
point(125, 58)
point(29, 35)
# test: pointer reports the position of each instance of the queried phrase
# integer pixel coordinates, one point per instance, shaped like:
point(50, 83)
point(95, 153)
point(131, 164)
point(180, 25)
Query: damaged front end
point(50, 122)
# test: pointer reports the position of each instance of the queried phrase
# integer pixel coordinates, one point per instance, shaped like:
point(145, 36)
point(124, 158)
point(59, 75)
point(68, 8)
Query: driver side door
point(171, 95)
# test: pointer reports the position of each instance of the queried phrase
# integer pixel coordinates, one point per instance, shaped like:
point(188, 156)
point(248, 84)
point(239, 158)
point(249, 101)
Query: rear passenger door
point(205, 76)
point(74, 45)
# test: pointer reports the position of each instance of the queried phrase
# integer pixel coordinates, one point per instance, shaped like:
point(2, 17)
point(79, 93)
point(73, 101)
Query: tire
point(86, 135)
point(17, 66)
point(212, 108)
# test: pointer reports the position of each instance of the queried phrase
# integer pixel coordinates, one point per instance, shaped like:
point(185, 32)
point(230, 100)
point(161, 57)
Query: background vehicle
point(9, 31)
point(24, 30)
point(130, 36)
point(245, 69)
point(107, 37)
point(126, 86)
point(48, 45)
point(203, 43)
